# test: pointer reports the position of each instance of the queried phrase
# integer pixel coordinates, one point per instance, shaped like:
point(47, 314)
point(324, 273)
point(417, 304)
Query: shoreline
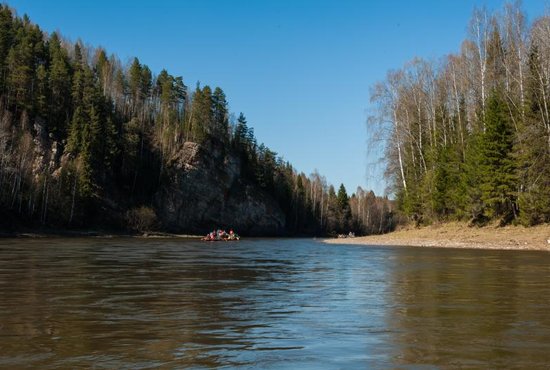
point(92, 234)
point(460, 235)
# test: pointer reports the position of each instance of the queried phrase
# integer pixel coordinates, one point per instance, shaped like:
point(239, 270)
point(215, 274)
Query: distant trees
point(467, 136)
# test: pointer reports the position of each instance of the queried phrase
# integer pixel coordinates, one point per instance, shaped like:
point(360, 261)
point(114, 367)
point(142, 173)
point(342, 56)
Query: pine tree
point(135, 81)
point(201, 114)
point(6, 40)
point(180, 92)
point(42, 92)
point(19, 63)
point(220, 115)
point(146, 82)
point(164, 89)
point(60, 87)
point(103, 69)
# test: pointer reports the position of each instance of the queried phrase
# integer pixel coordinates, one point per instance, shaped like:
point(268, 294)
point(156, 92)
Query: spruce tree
point(96, 138)
point(220, 114)
point(498, 168)
point(449, 191)
point(344, 211)
point(74, 140)
point(135, 81)
point(239, 136)
point(60, 87)
point(533, 151)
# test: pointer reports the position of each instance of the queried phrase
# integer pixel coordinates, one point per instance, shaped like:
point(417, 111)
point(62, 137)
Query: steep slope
point(205, 189)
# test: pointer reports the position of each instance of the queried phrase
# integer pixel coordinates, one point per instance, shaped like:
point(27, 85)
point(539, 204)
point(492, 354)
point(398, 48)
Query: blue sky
point(299, 70)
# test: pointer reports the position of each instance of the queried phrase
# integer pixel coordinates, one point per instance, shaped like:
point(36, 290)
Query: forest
point(86, 140)
point(468, 136)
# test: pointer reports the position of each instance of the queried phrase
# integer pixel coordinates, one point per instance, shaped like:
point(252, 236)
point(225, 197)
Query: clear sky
point(300, 70)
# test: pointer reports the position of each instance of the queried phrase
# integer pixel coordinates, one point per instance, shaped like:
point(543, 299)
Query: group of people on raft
point(217, 235)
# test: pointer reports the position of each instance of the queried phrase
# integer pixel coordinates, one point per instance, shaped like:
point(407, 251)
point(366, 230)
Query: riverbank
point(91, 233)
point(460, 235)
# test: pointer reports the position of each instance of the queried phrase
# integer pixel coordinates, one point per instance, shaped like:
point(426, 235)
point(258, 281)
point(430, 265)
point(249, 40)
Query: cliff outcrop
point(204, 189)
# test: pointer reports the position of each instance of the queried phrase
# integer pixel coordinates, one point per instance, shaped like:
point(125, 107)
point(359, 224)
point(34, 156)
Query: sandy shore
point(459, 235)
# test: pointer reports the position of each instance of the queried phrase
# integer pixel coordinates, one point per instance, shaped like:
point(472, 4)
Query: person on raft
point(219, 234)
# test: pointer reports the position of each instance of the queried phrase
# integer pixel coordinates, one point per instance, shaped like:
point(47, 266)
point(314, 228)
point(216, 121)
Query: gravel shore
point(460, 235)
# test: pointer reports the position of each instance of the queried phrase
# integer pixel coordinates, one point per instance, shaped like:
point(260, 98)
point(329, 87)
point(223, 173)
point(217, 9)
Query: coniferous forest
point(468, 136)
point(87, 141)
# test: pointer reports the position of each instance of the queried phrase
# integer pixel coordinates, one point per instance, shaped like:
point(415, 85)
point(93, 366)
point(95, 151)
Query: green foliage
point(220, 116)
point(6, 39)
point(343, 210)
point(342, 197)
point(449, 192)
point(201, 114)
point(497, 166)
point(240, 134)
point(532, 153)
point(75, 140)
point(42, 92)
point(86, 141)
point(60, 87)
point(85, 180)
point(469, 138)
point(146, 82)
point(134, 80)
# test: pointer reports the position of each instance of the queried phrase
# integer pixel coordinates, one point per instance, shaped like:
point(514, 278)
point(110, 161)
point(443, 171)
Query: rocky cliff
point(204, 190)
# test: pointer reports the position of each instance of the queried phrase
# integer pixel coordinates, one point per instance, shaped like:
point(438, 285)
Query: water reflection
point(470, 308)
point(116, 303)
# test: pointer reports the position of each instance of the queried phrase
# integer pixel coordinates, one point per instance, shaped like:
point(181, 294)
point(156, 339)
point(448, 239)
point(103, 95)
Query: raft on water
point(221, 235)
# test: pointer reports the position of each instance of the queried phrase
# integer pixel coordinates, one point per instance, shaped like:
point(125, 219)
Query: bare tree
point(479, 37)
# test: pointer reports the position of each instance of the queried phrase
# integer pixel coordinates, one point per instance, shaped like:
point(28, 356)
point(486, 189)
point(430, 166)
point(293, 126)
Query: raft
point(207, 239)
point(219, 235)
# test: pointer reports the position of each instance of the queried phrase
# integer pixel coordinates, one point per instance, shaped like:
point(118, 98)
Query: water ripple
point(268, 303)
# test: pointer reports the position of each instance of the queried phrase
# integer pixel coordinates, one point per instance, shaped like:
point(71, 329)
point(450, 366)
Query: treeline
point(468, 137)
point(85, 141)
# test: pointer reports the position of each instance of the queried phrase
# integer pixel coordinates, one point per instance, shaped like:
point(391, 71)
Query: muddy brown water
point(269, 303)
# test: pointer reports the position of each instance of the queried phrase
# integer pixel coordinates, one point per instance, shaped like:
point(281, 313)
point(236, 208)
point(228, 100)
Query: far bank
point(460, 235)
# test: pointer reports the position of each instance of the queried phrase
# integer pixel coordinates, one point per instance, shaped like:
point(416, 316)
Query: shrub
point(141, 219)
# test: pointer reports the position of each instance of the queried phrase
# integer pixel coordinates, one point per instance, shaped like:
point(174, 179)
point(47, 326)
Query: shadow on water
point(268, 303)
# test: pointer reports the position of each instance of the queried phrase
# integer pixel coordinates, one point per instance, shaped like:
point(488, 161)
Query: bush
point(141, 219)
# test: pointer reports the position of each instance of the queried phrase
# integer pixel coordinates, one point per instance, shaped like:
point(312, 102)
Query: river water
point(269, 303)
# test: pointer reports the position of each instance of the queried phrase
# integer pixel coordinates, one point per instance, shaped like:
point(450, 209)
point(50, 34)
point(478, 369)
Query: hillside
point(88, 142)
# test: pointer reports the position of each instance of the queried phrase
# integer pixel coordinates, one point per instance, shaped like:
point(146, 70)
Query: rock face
point(204, 191)
point(46, 151)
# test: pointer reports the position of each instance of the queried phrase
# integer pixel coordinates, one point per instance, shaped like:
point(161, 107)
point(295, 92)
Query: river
point(269, 303)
